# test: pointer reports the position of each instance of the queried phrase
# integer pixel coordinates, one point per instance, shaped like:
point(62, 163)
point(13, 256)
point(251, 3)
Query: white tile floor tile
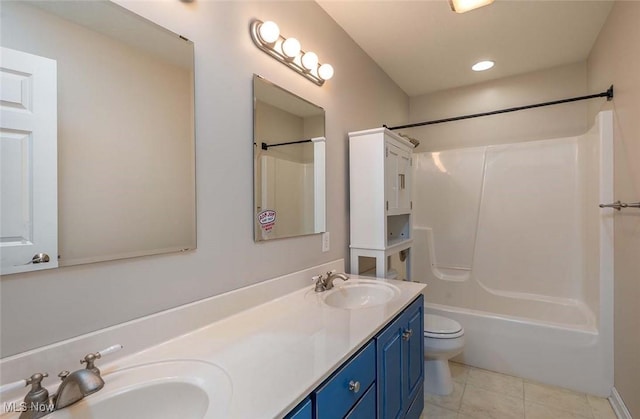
point(482, 394)
point(459, 372)
point(558, 398)
point(493, 381)
point(540, 411)
point(451, 402)
point(484, 404)
point(431, 411)
point(601, 408)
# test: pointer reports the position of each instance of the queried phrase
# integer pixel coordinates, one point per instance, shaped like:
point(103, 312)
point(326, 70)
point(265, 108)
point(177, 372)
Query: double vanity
point(350, 351)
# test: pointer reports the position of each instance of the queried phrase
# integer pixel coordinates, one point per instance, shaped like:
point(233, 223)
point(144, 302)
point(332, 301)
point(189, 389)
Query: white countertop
point(278, 352)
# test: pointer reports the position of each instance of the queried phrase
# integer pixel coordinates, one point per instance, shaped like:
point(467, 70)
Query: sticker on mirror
point(267, 219)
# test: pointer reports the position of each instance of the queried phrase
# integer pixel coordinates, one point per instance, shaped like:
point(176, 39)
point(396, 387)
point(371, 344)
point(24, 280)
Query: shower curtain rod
point(266, 146)
point(608, 94)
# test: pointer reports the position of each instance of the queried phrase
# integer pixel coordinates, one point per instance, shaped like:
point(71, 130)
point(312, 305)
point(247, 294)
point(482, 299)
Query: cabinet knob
point(354, 386)
point(406, 335)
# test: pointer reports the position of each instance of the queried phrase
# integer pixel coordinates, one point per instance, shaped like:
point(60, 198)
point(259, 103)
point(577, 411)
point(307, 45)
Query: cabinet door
point(390, 374)
point(400, 351)
point(414, 346)
point(397, 172)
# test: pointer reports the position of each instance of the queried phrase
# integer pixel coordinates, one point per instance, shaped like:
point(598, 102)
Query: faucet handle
point(89, 359)
point(34, 381)
point(319, 280)
point(37, 394)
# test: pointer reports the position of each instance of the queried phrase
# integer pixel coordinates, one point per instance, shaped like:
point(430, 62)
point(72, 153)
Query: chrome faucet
point(74, 387)
point(324, 282)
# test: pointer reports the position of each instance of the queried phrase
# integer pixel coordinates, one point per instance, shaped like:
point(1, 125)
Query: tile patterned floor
point(482, 394)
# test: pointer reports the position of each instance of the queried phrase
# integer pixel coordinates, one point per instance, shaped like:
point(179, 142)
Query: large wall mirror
point(289, 163)
point(123, 90)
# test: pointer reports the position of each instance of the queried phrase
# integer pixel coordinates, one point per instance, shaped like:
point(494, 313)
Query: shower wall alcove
point(513, 245)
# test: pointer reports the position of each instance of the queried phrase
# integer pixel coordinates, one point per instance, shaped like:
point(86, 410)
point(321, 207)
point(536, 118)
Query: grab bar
point(619, 205)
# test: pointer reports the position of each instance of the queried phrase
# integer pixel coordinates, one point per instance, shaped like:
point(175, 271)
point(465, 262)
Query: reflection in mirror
point(289, 163)
point(125, 126)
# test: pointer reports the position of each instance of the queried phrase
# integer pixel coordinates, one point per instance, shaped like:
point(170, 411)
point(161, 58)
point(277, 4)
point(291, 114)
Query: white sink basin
point(170, 389)
point(362, 293)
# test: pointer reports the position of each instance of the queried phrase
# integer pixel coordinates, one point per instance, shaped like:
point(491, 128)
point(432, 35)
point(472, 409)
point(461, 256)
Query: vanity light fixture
point(461, 6)
point(267, 37)
point(482, 65)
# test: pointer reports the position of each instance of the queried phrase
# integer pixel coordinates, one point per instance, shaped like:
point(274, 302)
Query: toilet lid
point(435, 324)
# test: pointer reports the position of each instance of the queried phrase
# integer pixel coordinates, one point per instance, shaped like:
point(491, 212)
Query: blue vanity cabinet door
point(417, 406)
point(336, 397)
point(303, 411)
point(399, 362)
point(389, 364)
point(415, 349)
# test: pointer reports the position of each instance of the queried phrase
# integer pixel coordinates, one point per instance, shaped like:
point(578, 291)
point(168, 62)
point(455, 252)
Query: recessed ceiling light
point(482, 65)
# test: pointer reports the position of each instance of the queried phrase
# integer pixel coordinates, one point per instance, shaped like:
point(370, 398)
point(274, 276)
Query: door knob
point(39, 258)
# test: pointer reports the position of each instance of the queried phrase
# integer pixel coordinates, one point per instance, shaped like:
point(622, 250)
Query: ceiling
point(425, 47)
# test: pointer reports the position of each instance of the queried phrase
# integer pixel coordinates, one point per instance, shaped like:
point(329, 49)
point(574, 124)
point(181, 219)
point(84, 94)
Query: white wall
point(44, 307)
point(534, 124)
point(615, 60)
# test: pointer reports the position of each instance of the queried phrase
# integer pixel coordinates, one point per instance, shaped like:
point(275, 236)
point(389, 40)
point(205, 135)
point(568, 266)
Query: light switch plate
point(326, 242)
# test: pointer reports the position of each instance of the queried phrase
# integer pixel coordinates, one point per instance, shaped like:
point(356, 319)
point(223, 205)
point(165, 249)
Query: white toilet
point(443, 339)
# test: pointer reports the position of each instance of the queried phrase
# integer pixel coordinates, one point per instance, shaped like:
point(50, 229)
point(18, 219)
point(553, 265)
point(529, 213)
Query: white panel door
point(28, 161)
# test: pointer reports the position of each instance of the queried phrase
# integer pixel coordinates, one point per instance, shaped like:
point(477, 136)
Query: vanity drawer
point(342, 391)
point(302, 411)
point(366, 407)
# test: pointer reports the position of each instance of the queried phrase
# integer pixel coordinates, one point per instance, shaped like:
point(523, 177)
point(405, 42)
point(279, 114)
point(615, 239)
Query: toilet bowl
point(443, 339)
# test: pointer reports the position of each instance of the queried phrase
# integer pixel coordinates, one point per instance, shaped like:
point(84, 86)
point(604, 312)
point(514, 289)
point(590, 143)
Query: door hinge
point(386, 152)
point(387, 205)
point(410, 204)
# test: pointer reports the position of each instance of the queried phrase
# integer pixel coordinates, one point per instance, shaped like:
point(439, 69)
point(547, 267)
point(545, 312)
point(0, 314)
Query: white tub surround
point(513, 245)
point(293, 340)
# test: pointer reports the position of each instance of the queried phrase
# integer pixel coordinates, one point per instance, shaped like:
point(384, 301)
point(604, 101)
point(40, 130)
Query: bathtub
point(529, 277)
point(567, 357)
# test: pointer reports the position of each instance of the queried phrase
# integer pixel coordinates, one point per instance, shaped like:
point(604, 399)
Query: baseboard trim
point(618, 405)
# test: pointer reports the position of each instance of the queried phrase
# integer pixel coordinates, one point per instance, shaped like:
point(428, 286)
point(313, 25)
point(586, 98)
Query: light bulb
point(291, 47)
point(462, 6)
point(482, 65)
point(310, 60)
point(269, 32)
point(325, 71)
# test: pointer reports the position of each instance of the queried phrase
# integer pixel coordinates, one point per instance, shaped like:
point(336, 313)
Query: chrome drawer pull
point(406, 335)
point(354, 386)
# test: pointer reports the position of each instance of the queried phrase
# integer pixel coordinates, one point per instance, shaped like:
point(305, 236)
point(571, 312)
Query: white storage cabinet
point(380, 168)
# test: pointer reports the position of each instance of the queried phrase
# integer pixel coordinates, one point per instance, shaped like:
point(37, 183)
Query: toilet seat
point(439, 327)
